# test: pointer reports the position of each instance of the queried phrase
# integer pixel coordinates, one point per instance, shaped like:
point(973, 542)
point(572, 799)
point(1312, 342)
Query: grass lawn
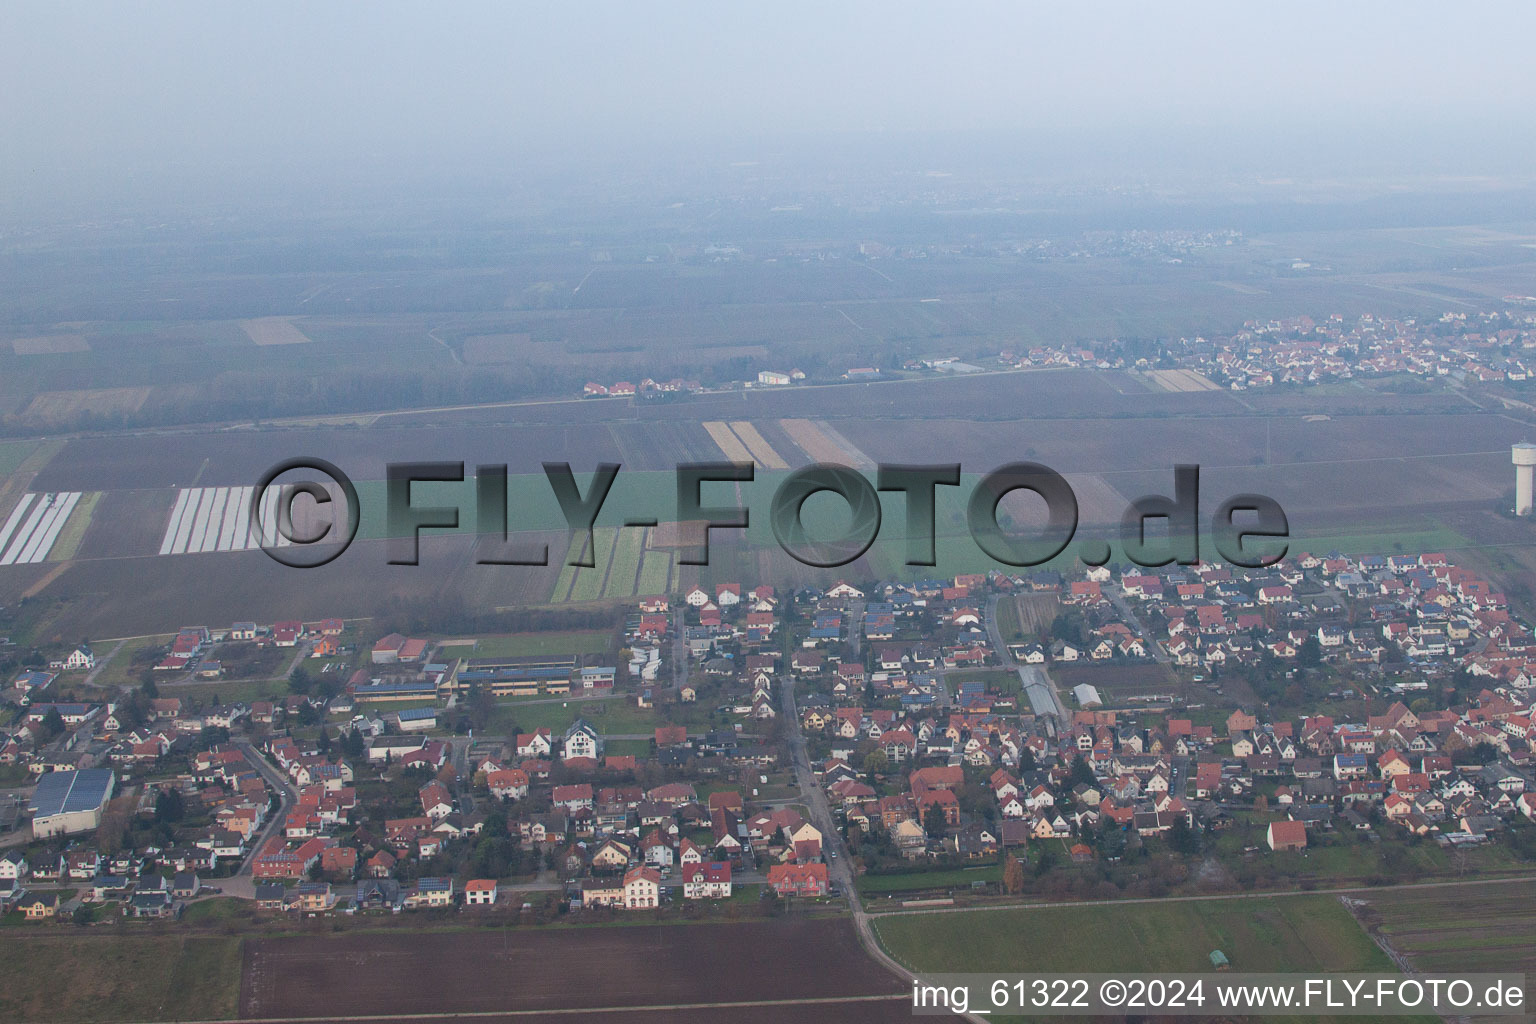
point(220, 908)
point(953, 878)
point(1292, 933)
point(542, 712)
point(117, 977)
point(512, 645)
point(244, 690)
point(119, 669)
point(619, 748)
point(610, 716)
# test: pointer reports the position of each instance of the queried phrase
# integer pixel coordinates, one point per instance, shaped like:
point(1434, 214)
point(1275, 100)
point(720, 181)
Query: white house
point(581, 740)
point(78, 660)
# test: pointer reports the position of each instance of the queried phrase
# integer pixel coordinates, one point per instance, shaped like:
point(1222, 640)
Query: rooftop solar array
point(63, 792)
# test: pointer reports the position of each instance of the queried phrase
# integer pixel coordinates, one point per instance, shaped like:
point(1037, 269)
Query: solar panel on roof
point(62, 792)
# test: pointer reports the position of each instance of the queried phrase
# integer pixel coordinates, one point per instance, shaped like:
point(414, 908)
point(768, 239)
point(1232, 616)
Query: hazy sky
point(195, 91)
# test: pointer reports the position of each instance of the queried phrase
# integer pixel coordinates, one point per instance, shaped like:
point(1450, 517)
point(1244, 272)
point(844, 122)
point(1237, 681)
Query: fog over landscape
point(1114, 283)
point(224, 102)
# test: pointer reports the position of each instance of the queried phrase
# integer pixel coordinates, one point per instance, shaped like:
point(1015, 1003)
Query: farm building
point(418, 719)
point(1087, 696)
point(1287, 835)
point(66, 802)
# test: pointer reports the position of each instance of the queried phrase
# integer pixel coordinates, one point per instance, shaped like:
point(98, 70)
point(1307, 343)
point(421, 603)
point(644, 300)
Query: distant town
point(1457, 347)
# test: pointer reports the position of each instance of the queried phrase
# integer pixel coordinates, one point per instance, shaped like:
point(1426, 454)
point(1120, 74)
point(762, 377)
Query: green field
point(655, 574)
point(588, 585)
point(69, 538)
point(626, 563)
point(512, 645)
point(112, 977)
point(1294, 933)
point(243, 690)
point(13, 454)
point(1008, 623)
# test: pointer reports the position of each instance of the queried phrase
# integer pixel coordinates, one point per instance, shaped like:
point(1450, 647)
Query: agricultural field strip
point(813, 442)
point(625, 567)
point(214, 519)
point(36, 535)
point(758, 445)
point(588, 585)
point(729, 443)
point(852, 453)
point(655, 572)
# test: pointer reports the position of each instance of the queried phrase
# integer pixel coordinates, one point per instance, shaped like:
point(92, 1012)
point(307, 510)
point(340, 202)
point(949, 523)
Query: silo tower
point(1523, 455)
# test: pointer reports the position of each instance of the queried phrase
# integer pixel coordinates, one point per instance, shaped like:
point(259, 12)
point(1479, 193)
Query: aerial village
point(1100, 733)
point(1461, 348)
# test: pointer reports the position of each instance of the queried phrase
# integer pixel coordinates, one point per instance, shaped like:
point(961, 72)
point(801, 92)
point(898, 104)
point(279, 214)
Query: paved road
point(243, 882)
point(1336, 891)
point(995, 635)
point(1129, 614)
point(679, 650)
point(839, 866)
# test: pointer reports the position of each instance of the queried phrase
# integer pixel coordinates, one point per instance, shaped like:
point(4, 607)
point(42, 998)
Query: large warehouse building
point(70, 801)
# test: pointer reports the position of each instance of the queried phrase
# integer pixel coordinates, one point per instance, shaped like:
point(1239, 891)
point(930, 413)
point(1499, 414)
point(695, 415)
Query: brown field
point(1362, 474)
point(516, 970)
point(486, 349)
point(893, 1009)
point(725, 438)
point(229, 458)
point(774, 433)
point(1460, 929)
point(662, 445)
point(51, 344)
point(505, 586)
point(1036, 611)
point(127, 523)
point(275, 330)
point(761, 450)
point(1097, 500)
point(57, 406)
point(239, 585)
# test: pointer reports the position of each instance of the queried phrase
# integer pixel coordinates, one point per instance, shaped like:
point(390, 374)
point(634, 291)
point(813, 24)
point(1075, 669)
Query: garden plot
point(34, 525)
